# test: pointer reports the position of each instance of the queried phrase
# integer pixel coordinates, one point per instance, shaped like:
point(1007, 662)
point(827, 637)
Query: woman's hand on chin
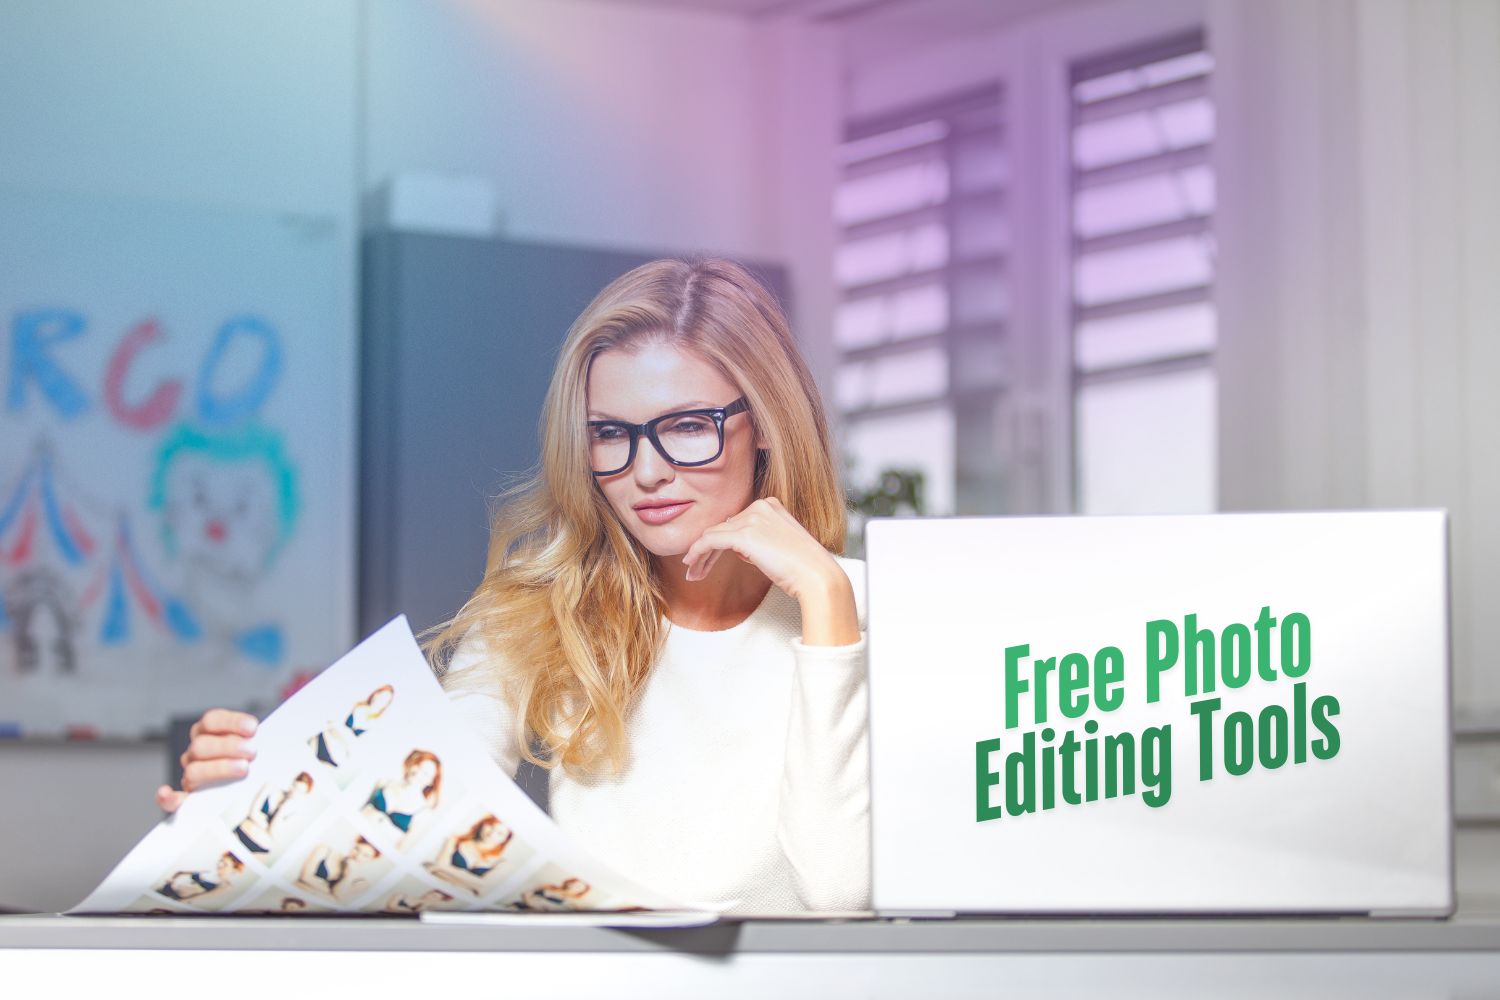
point(773, 540)
point(767, 536)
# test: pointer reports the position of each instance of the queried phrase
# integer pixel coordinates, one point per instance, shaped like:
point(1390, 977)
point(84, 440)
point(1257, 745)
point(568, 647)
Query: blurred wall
point(609, 124)
point(1359, 235)
point(250, 106)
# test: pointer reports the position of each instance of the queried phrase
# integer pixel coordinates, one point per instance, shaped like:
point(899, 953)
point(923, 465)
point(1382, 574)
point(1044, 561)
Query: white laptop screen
point(1196, 713)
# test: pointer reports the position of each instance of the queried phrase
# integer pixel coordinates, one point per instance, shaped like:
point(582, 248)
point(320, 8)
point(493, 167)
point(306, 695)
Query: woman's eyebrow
point(692, 404)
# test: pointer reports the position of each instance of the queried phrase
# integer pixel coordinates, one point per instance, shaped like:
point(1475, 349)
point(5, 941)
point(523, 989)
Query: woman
point(402, 802)
point(472, 859)
point(197, 886)
point(330, 745)
point(406, 904)
point(336, 876)
point(703, 717)
point(553, 897)
point(271, 810)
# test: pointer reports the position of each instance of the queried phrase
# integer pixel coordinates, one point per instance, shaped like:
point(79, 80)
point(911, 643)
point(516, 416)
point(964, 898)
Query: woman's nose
point(650, 467)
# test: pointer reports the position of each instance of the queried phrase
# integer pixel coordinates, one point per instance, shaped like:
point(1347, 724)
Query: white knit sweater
point(749, 767)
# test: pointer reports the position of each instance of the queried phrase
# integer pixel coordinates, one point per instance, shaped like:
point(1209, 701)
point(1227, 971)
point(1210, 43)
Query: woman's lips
point(661, 515)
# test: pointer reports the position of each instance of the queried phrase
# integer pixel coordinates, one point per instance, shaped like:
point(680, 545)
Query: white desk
point(378, 957)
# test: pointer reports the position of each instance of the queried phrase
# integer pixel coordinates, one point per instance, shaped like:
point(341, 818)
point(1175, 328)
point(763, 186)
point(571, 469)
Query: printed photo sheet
point(368, 794)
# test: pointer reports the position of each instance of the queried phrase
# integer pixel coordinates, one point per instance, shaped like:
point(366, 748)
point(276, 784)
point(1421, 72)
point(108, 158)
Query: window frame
point(1033, 60)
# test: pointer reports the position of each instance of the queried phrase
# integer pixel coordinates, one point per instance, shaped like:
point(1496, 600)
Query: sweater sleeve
point(824, 825)
point(481, 704)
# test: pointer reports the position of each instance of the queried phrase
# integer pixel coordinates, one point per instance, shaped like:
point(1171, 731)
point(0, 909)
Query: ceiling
point(914, 20)
point(820, 10)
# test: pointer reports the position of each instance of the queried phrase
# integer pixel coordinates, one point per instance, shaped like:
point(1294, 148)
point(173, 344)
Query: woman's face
point(493, 834)
point(422, 772)
point(638, 383)
point(379, 699)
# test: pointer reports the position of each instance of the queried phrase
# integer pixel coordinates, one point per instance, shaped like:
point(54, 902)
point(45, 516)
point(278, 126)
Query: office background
point(1057, 256)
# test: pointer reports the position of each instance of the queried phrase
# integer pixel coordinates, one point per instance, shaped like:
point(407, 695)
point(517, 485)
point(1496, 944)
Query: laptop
point(1173, 714)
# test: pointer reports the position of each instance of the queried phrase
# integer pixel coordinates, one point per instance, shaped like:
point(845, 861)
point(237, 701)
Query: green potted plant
point(894, 491)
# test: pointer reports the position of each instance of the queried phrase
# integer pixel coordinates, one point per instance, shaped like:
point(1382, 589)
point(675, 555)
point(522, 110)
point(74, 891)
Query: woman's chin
point(667, 540)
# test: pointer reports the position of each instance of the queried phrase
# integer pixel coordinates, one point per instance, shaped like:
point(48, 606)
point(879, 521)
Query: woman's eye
point(688, 425)
point(606, 433)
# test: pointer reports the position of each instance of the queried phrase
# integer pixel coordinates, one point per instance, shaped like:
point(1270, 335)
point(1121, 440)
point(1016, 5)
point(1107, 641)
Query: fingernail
point(241, 766)
point(248, 728)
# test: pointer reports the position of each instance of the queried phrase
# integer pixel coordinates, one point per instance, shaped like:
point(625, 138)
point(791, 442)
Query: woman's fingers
point(214, 747)
point(224, 721)
point(169, 798)
point(217, 751)
point(759, 518)
point(702, 554)
point(703, 566)
point(203, 772)
point(701, 544)
point(712, 560)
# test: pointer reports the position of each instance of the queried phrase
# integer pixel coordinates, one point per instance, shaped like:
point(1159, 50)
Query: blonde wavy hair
point(570, 607)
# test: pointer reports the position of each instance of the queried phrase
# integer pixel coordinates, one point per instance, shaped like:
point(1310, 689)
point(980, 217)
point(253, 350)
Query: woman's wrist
point(829, 615)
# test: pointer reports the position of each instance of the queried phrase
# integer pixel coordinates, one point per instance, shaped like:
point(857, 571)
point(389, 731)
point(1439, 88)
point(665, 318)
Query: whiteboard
point(176, 460)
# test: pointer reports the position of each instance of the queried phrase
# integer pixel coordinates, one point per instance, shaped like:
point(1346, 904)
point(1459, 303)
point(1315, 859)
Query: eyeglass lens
point(685, 440)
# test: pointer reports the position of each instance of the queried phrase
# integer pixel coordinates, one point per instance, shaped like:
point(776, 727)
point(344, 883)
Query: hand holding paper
point(218, 750)
point(364, 793)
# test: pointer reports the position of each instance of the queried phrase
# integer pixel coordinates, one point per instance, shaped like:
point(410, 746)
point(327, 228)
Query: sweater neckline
point(736, 627)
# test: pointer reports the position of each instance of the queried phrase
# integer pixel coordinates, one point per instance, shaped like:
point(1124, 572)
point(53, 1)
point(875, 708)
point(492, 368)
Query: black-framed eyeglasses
point(684, 438)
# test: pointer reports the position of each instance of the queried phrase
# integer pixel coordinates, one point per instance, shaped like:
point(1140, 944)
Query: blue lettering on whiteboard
point(32, 336)
point(222, 411)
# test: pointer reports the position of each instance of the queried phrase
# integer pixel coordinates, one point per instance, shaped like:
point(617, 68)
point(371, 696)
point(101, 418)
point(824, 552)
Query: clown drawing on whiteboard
point(48, 549)
point(43, 619)
point(228, 504)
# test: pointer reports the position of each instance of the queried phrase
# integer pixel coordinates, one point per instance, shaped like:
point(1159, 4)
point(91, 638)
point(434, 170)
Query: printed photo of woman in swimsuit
point(269, 823)
point(278, 901)
point(341, 875)
point(555, 897)
point(333, 745)
point(204, 888)
point(402, 804)
point(411, 904)
point(477, 858)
